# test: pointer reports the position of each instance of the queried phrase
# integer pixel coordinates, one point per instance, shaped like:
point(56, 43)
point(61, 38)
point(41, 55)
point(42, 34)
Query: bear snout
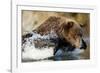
point(83, 46)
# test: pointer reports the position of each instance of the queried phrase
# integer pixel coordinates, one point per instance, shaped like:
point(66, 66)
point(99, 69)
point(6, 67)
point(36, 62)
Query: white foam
point(30, 52)
point(35, 54)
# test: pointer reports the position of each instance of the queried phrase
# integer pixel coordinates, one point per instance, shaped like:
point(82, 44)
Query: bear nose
point(83, 46)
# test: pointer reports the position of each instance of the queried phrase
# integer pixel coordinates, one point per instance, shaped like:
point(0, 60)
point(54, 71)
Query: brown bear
point(65, 28)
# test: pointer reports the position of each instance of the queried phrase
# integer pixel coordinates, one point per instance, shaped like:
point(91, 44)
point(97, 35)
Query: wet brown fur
point(65, 28)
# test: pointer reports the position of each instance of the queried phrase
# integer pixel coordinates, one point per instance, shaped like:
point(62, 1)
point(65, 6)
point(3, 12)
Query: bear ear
point(68, 25)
